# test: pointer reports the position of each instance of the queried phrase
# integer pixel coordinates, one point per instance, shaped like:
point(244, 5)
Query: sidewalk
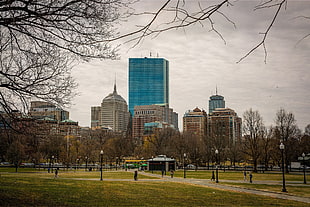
point(212, 184)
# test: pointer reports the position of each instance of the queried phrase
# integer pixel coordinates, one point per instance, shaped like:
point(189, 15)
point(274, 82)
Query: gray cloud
point(200, 61)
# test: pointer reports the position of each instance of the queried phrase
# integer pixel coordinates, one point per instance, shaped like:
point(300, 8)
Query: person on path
point(213, 176)
point(135, 177)
point(244, 175)
point(56, 173)
point(251, 176)
point(171, 173)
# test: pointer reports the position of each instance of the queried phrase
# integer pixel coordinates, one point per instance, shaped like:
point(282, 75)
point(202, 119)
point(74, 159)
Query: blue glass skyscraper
point(216, 101)
point(148, 82)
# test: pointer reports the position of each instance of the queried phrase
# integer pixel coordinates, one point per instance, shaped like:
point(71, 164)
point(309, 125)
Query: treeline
point(259, 145)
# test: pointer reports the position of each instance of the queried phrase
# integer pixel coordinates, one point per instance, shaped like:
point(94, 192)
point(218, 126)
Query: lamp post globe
point(283, 174)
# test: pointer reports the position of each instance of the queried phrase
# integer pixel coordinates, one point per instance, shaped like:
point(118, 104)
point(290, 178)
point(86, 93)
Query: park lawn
point(82, 174)
point(302, 191)
point(35, 189)
point(105, 175)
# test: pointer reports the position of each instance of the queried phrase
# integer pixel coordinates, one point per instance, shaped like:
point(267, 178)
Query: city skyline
point(199, 61)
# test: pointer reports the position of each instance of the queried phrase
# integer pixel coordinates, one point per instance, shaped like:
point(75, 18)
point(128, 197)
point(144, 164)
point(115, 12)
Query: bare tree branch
point(262, 42)
point(40, 40)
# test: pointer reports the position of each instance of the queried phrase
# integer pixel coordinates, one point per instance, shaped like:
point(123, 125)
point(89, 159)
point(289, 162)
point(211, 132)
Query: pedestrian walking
point(251, 176)
point(171, 173)
point(213, 176)
point(244, 175)
point(56, 173)
point(135, 177)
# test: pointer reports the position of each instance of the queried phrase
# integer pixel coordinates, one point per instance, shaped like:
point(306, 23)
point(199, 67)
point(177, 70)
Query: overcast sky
point(200, 60)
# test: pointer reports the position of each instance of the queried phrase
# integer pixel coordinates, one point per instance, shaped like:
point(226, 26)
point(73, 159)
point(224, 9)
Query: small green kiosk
point(161, 163)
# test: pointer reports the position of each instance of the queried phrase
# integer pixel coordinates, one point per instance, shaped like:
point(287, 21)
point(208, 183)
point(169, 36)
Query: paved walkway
point(212, 184)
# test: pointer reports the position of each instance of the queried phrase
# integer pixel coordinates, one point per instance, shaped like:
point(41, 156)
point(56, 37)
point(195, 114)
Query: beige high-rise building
point(112, 114)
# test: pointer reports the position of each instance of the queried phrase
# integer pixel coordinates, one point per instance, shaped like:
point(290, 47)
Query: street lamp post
point(77, 163)
point(86, 159)
point(52, 163)
point(184, 155)
point(152, 164)
point(283, 176)
point(116, 163)
point(303, 158)
point(216, 174)
point(101, 160)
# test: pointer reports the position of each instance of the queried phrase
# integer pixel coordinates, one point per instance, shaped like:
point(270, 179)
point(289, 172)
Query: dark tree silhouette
point(253, 131)
point(40, 41)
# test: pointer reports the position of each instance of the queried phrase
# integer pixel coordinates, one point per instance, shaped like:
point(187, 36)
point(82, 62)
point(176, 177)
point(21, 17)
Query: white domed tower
point(114, 112)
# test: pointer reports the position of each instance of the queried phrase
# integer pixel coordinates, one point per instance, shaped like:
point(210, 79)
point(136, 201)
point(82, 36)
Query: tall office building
point(225, 125)
point(148, 82)
point(113, 113)
point(195, 121)
point(216, 101)
point(95, 117)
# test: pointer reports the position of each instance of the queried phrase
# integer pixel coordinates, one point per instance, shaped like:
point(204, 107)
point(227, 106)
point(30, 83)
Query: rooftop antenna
point(150, 54)
point(115, 84)
point(216, 90)
point(157, 55)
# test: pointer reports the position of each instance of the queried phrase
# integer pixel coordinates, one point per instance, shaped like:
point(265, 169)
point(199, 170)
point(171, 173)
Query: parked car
point(190, 166)
point(27, 164)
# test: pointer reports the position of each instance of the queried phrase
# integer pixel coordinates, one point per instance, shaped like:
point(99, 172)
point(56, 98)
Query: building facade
point(41, 109)
point(195, 122)
point(95, 117)
point(143, 115)
point(148, 82)
point(112, 114)
point(225, 126)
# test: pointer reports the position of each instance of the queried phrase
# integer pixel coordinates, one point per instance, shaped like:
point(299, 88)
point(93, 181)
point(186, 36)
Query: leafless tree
point(39, 40)
point(307, 130)
point(268, 146)
point(160, 142)
point(253, 132)
point(304, 143)
point(286, 132)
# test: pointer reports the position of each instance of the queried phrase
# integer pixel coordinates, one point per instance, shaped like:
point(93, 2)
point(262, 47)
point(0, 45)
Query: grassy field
point(41, 189)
